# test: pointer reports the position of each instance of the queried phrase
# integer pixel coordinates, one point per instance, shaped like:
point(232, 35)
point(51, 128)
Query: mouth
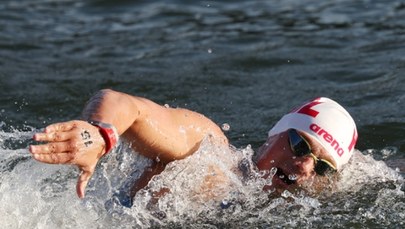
point(284, 177)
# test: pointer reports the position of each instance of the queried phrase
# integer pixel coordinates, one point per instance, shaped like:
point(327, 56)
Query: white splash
point(207, 188)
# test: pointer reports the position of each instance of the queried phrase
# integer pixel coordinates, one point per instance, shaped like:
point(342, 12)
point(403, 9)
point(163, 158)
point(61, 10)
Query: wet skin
point(277, 153)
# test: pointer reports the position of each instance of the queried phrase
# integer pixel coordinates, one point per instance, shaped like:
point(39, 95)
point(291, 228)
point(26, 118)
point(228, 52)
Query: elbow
point(105, 93)
point(96, 103)
point(102, 96)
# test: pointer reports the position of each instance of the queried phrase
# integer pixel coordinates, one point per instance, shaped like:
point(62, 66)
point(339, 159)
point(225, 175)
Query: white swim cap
point(326, 121)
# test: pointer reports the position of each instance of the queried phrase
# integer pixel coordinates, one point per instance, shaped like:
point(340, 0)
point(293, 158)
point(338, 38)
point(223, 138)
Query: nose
point(305, 166)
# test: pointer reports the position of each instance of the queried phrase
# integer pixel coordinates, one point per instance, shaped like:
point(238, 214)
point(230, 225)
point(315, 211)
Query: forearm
point(155, 131)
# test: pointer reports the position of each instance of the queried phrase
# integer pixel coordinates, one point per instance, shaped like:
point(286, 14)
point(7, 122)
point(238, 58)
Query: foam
point(36, 195)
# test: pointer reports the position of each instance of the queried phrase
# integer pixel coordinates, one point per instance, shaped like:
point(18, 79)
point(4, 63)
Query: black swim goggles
point(300, 147)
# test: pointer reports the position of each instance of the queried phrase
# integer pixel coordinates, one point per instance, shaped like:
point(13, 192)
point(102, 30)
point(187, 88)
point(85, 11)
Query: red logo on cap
point(307, 108)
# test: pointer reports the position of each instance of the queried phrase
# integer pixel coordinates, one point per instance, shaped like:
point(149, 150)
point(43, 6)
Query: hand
point(74, 142)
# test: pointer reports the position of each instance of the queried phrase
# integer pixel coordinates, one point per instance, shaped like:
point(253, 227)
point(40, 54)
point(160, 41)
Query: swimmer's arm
point(154, 130)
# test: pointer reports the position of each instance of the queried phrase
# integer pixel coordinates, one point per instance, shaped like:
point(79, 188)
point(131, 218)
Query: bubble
point(262, 173)
point(273, 171)
point(225, 204)
point(292, 177)
point(225, 127)
point(286, 194)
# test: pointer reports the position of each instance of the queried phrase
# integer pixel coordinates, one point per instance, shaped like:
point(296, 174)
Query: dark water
point(245, 63)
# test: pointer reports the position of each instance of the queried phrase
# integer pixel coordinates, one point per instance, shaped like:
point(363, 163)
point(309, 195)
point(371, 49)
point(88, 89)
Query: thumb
point(84, 178)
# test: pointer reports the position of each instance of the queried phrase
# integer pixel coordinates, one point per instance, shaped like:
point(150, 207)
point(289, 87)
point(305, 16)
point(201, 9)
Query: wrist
point(108, 132)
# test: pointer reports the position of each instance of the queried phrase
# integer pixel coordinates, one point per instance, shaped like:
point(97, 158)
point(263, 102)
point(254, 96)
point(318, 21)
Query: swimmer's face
point(292, 171)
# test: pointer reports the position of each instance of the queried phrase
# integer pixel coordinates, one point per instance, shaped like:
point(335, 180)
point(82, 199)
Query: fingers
point(53, 153)
point(50, 148)
point(56, 132)
point(54, 158)
point(83, 181)
point(62, 126)
point(52, 136)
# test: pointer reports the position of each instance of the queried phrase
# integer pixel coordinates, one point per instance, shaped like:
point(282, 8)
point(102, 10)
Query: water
point(241, 63)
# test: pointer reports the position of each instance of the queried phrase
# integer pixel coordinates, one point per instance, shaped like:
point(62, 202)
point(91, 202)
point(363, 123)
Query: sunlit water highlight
point(35, 195)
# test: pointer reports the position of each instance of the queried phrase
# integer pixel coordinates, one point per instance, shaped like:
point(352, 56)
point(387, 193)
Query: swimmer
point(313, 140)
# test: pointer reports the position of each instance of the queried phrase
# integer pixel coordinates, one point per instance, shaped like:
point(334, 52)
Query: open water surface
point(243, 63)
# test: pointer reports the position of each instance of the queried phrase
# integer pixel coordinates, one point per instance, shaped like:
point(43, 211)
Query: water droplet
point(262, 173)
point(225, 204)
point(167, 105)
point(294, 158)
point(286, 194)
point(292, 177)
point(226, 127)
point(272, 161)
point(209, 50)
point(281, 176)
point(157, 159)
point(273, 171)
